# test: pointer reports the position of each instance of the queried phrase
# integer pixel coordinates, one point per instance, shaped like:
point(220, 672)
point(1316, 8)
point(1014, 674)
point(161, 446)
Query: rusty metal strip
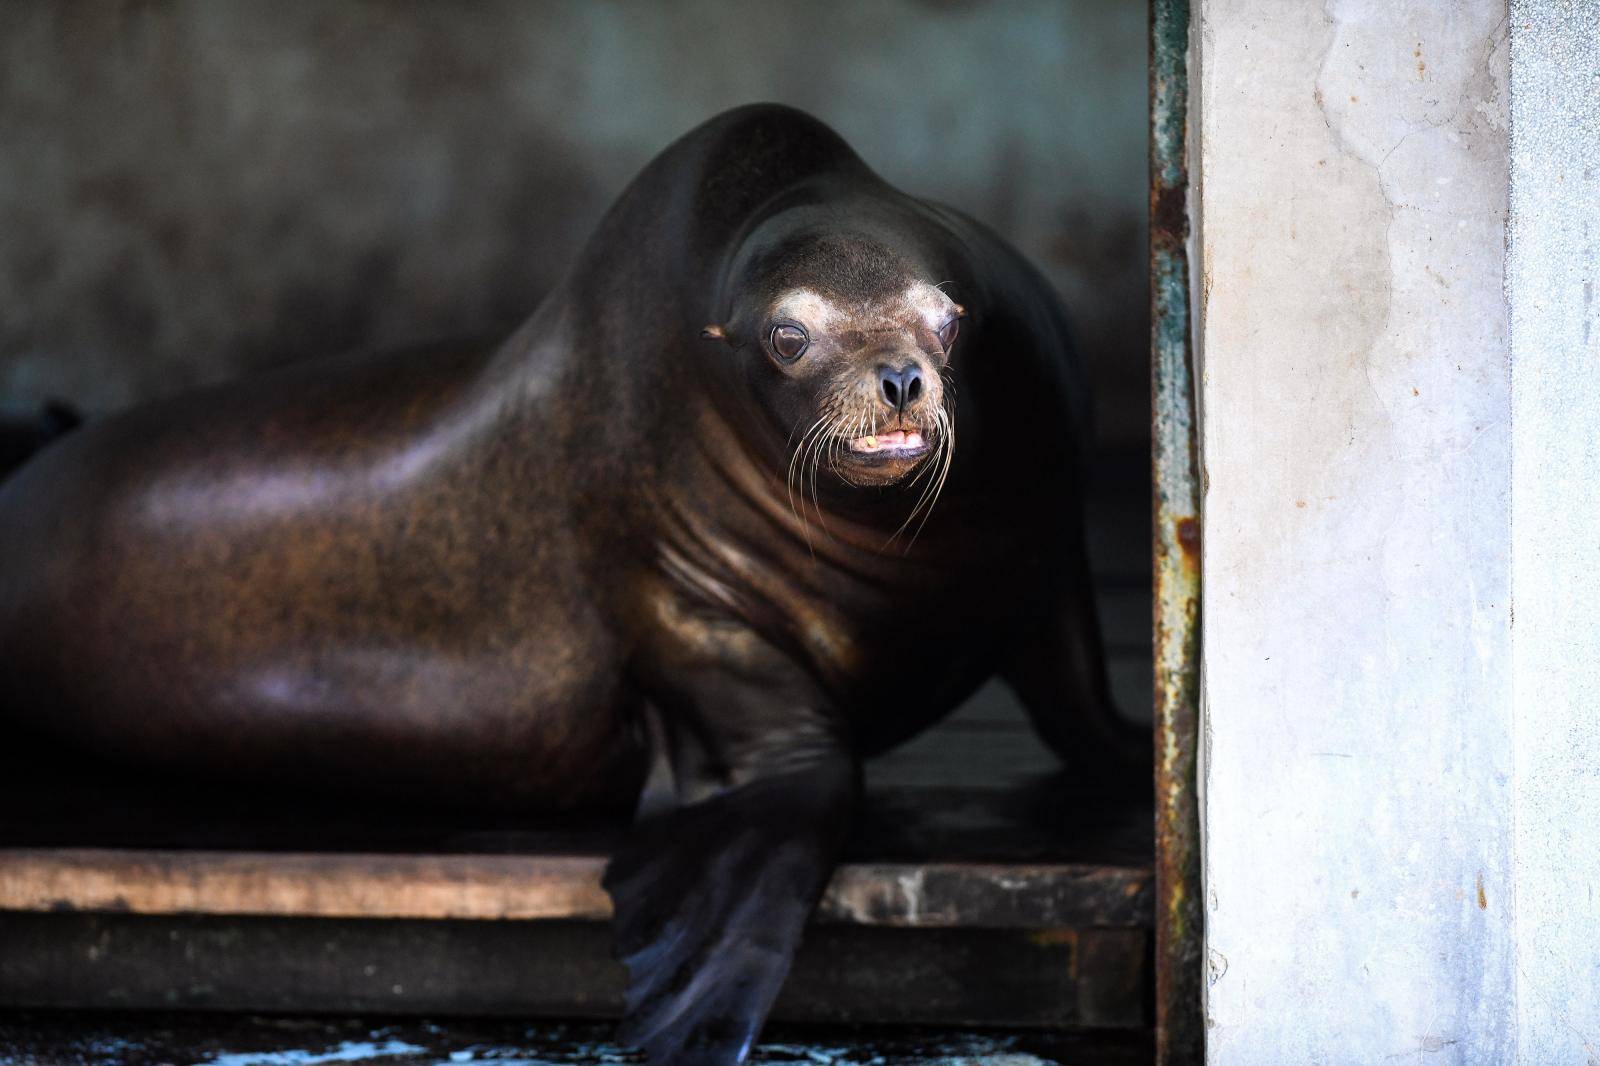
point(1180, 1031)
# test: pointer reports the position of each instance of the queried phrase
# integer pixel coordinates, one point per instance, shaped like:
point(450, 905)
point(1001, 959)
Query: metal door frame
point(1175, 476)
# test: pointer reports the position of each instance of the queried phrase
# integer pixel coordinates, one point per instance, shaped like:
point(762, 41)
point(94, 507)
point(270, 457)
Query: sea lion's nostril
point(900, 387)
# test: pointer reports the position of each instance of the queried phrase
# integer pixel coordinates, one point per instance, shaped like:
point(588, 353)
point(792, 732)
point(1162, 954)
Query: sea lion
point(786, 466)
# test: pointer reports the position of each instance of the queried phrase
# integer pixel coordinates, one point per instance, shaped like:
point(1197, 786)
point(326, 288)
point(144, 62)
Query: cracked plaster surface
point(1356, 438)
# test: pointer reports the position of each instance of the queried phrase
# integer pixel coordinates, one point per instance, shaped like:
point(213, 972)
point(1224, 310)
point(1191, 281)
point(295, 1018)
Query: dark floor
point(231, 1040)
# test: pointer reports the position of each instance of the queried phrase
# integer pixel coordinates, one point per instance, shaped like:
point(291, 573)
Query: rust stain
point(1169, 215)
point(1189, 537)
point(1483, 898)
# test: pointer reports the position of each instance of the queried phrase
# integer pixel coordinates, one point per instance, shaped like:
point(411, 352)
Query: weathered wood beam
point(521, 887)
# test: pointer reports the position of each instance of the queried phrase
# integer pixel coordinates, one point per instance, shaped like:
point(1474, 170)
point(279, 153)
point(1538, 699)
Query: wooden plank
point(843, 974)
point(341, 885)
point(520, 887)
point(990, 895)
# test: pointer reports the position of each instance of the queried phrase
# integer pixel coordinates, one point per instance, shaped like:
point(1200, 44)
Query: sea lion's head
point(845, 347)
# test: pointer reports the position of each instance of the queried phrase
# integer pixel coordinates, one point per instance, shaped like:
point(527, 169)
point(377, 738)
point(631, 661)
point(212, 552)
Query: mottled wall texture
point(1553, 279)
point(1358, 816)
point(189, 190)
point(1399, 206)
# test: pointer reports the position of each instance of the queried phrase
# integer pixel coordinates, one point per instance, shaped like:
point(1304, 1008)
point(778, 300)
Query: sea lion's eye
point(948, 331)
point(788, 341)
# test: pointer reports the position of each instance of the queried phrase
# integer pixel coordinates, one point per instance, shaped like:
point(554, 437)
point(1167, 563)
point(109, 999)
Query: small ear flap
point(714, 332)
point(961, 312)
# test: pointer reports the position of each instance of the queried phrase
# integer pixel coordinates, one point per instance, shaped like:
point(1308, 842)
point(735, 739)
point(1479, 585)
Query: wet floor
point(78, 1039)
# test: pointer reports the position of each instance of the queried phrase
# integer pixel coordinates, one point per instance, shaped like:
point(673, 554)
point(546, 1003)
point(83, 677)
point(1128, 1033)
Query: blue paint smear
point(349, 1051)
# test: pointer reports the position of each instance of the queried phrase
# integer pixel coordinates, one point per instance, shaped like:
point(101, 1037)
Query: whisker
point(930, 492)
point(797, 474)
point(824, 440)
point(947, 443)
point(828, 442)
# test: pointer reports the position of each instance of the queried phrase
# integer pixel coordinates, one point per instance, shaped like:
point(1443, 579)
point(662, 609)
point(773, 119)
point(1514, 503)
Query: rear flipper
point(1058, 670)
point(711, 900)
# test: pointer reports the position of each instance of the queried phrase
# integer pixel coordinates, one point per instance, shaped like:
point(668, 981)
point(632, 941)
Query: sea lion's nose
point(900, 388)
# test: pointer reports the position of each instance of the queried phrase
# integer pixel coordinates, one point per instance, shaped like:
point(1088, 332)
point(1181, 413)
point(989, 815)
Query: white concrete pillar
point(1356, 399)
point(1398, 209)
point(1553, 274)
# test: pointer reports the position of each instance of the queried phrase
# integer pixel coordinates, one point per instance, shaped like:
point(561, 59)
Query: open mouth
point(893, 444)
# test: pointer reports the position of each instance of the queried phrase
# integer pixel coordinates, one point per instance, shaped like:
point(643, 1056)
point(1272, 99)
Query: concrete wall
point(1356, 404)
point(193, 188)
point(1402, 441)
point(1553, 272)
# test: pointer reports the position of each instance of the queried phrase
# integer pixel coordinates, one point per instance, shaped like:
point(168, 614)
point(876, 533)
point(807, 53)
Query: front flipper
point(711, 900)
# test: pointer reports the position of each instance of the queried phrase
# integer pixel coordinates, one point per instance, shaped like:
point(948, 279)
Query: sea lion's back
point(309, 545)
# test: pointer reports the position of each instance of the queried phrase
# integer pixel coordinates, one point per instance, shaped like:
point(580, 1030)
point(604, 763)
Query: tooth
point(872, 442)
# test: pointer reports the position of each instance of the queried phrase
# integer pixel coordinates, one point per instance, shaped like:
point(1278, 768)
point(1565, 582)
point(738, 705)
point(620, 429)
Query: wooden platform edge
point(530, 887)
